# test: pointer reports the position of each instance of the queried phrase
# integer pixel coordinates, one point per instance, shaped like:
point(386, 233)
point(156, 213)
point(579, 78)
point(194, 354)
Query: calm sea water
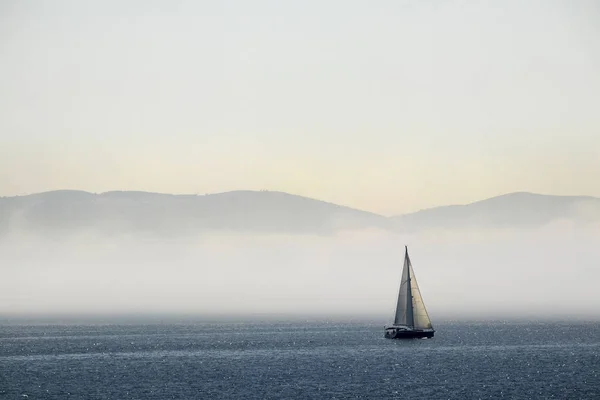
point(299, 361)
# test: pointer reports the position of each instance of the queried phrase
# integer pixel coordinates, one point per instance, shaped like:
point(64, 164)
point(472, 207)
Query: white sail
point(420, 317)
point(404, 315)
point(410, 309)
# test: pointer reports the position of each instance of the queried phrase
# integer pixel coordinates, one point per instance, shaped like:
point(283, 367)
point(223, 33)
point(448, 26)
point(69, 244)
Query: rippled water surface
point(299, 361)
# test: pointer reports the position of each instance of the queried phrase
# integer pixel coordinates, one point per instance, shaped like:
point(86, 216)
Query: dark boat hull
point(393, 333)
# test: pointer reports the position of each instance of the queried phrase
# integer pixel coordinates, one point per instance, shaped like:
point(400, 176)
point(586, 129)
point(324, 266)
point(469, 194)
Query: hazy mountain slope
point(514, 210)
point(112, 212)
point(71, 212)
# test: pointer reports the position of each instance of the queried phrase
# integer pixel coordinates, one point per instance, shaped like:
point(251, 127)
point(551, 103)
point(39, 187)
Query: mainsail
point(410, 309)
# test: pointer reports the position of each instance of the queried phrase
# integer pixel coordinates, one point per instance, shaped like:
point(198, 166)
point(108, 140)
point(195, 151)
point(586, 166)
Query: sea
point(299, 360)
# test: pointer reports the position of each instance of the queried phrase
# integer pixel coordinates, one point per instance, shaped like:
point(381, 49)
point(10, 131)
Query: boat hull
point(396, 333)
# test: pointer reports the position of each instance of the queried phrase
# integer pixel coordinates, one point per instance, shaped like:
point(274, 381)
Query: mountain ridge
point(516, 208)
point(142, 192)
point(269, 211)
point(119, 211)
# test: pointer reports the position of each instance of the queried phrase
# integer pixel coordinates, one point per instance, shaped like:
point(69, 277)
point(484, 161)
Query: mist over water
point(545, 273)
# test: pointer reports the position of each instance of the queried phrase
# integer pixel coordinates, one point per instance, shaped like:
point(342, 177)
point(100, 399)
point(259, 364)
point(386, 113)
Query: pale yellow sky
point(388, 106)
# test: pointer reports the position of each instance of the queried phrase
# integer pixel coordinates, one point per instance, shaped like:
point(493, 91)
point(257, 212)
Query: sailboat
point(411, 320)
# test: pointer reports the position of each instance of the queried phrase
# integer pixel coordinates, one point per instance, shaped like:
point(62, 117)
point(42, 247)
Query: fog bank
point(551, 272)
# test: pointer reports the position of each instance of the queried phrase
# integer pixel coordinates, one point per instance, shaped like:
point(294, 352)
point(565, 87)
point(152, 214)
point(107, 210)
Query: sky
point(387, 106)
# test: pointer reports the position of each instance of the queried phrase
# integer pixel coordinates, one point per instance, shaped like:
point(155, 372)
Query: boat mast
point(410, 319)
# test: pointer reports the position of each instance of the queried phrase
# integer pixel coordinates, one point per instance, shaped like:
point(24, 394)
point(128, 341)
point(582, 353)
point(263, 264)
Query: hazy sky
point(388, 106)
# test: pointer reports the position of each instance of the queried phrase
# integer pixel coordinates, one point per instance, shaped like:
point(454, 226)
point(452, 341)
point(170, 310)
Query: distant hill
point(68, 212)
point(514, 210)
